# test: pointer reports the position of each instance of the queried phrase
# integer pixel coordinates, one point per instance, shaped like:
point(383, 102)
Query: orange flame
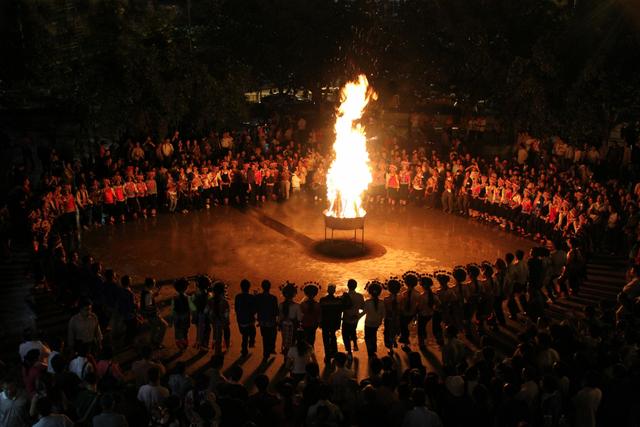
point(350, 174)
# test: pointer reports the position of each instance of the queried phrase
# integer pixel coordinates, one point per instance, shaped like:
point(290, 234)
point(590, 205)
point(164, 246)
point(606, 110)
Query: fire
point(349, 174)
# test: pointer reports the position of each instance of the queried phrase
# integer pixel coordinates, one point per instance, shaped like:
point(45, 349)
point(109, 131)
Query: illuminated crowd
point(580, 371)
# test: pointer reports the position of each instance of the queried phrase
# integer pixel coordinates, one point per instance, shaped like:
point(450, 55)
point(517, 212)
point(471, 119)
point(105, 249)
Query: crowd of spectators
point(581, 371)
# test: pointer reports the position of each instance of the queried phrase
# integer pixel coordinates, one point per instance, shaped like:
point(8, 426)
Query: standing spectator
point(245, 306)
point(331, 309)
point(140, 368)
point(420, 415)
point(84, 327)
point(587, 401)
point(108, 417)
point(350, 318)
point(267, 310)
point(179, 382)
point(152, 394)
point(14, 406)
point(46, 417)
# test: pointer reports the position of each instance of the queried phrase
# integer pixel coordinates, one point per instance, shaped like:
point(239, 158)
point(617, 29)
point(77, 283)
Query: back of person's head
point(153, 374)
point(324, 391)
point(57, 363)
point(106, 353)
point(107, 402)
point(217, 361)
point(418, 397)
point(509, 258)
point(352, 284)
point(235, 373)
point(181, 285)
point(32, 357)
point(312, 369)
point(110, 275)
point(451, 331)
point(28, 334)
point(125, 281)
point(149, 283)
point(90, 378)
point(519, 254)
point(180, 367)
point(340, 359)
point(262, 382)
point(266, 285)
point(245, 285)
point(145, 352)
point(369, 394)
point(415, 360)
point(44, 406)
point(375, 365)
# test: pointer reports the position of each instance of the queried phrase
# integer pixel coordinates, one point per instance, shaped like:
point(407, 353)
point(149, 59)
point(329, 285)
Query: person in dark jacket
point(245, 305)
point(267, 311)
point(181, 314)
point(331, 315)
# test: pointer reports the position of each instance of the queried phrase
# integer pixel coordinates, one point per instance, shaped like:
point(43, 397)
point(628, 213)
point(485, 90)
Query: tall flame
point(349, 174)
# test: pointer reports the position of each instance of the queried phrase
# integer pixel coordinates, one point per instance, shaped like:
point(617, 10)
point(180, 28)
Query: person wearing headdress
point(289, 315)
point(245, 307)
point(481, 296)
point(448, 300)
point(392, 314)
point(181, 314)
point(198, 303)
point(409, 300)
point(466, 300)
point(374, 314)
point(351, 316)
point(267, 311)
point(310, 312)
point(330, 319)
point(428, 305)
point(218, 309)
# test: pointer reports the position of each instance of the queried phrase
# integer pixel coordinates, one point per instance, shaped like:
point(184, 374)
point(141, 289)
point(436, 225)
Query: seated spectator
point(179, 382)
point(83, 363)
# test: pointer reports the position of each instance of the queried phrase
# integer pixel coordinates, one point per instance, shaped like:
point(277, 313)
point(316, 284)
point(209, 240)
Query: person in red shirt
point(121, 205)
point(109, 199)
point(69, 209)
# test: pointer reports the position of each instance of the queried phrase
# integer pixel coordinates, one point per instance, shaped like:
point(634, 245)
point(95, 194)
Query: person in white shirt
point(420, 415)
point(586, 402)
point(81, 364)
point(46, 418)
point(298, 357)
point(374, 314)
point(153, 394)
point(30, 343)
point(14, 406)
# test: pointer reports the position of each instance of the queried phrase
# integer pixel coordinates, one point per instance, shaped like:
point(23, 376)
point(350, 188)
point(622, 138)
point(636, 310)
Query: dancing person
point(267, 310)
point(310, 312)
point(392, 314)
point(298, 356)
point(428, 308)
point(289, 315)
point(374, 314)
point(181, 314)
point(218, 309)
point(350, 318)
point(199, 315)
point(330, 319)
point(245, 307)
point(409, 300)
